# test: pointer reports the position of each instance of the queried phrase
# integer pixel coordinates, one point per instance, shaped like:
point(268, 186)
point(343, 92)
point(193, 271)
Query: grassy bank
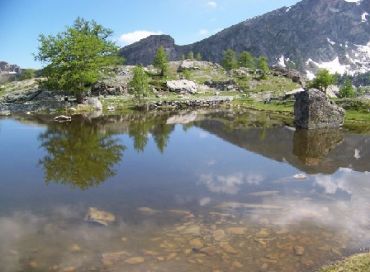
point(357, 263)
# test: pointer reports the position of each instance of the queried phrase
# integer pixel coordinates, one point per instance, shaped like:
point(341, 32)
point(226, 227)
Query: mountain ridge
point(309, 35)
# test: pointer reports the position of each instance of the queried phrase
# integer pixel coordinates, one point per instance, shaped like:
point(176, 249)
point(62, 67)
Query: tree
point(263, 66)
point(347, 89)
point(27, 74)
point(139, 83)
point(323, 80)
point(230, 61)
point(161, 61)
point(77, 57)
point(198, 57)
point(247, 60)
point(190, 55)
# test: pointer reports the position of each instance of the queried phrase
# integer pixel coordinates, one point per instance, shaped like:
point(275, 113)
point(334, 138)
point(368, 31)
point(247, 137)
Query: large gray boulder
point(313, 110)
point(182, 86)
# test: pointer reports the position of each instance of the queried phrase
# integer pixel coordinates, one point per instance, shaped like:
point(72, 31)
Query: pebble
point(299, 250)
point(196, 243)
point(219, 235)
point(236, 230)
point(135, 260)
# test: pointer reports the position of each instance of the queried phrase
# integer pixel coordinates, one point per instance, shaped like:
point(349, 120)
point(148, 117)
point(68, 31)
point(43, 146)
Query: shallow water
point(219, 192)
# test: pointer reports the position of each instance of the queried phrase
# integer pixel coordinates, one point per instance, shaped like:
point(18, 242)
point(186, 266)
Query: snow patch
point(333, 66)
point(364, 17)
point(281, 61)
point(330, 41)
point(354, 1)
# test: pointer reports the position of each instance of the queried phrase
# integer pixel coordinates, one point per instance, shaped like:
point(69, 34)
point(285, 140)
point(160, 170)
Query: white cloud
point(203, 32)
point(230, 184)
point(212, 4)
point(135, 36)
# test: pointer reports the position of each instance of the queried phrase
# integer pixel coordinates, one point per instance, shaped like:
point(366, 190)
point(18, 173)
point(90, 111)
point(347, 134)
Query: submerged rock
point(313, 110)
point(135, 260)
point(112, 258)
point(100, 217)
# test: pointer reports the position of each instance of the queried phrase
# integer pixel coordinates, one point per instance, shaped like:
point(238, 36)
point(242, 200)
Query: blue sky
point(21, 21)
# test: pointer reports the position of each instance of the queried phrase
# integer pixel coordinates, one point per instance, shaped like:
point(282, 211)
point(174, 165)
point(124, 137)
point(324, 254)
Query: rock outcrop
point(313, 110)
point(182, 86)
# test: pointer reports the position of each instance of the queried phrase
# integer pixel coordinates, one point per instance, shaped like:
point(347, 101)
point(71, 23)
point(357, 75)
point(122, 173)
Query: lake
point(191, 191)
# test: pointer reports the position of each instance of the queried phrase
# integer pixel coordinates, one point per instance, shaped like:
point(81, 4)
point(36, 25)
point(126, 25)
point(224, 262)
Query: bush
point(323, 80)
point(347, 90)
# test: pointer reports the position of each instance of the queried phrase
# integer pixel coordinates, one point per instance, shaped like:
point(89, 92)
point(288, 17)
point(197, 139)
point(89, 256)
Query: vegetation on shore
point(357, 263)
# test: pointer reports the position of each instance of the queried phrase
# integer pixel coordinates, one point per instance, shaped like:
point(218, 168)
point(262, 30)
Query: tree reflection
point(141, 128)
point(79, 154)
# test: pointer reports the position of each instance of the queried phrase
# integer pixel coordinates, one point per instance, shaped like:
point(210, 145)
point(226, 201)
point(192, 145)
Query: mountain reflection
point(79, 154)
point(84, 152)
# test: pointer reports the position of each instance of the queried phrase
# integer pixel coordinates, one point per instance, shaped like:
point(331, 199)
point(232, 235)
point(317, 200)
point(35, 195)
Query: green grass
point(282, 107)
point(357, 263)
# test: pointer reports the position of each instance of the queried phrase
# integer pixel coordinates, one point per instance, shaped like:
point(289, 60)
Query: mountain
point(312, 34)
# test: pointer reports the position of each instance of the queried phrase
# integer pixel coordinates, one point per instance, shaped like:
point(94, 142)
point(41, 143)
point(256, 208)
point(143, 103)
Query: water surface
point(194, 191)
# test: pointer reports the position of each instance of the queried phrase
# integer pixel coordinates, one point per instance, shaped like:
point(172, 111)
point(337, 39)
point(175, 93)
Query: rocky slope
point(312, 34)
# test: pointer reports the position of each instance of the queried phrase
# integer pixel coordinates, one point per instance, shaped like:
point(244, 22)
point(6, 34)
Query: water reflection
point(312, 146)
point(79, 154)
point(202, 192)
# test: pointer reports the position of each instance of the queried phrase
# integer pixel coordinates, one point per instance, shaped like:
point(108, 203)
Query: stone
point(69, 269)
point(313, 110)
point(299, 250)
point(135, 260)
point(94, 103)
point(63, 118)
point(236, 230)
point(228, 248)
point(147, 210)
point(219, 235)
point(182, 86)
point(112, 258)
point(75, 248)
point(196, 243)
point(100, 217)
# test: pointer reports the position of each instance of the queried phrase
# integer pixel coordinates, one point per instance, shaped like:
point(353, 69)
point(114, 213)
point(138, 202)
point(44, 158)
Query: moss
point(357, 263)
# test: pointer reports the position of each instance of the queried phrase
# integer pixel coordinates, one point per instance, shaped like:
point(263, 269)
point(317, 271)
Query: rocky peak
point(144, 51)
point(6, 68)
point(309, 35)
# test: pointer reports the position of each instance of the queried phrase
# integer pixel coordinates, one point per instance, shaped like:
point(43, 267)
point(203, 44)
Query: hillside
point(312, 34)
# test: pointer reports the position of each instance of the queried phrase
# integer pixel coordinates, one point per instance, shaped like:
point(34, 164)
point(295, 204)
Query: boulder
point(94, 103)
point(313, 110)
point(99, 217)
point(182, 86)
point(332, 91)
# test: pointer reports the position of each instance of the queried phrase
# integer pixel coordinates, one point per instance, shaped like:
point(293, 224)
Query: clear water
point(221, 192)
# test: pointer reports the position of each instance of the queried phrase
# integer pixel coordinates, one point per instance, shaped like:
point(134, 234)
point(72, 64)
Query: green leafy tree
point(77, 57)
point(27, 74)
point(190, 55)
point(263, 66)
point(140, 83)
point(183, 57)
point(79, 154)
point(198, 57)
point(230, 61)
point(161, 61)
point(347, 89)
point(247, 60)
point(323, 80)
